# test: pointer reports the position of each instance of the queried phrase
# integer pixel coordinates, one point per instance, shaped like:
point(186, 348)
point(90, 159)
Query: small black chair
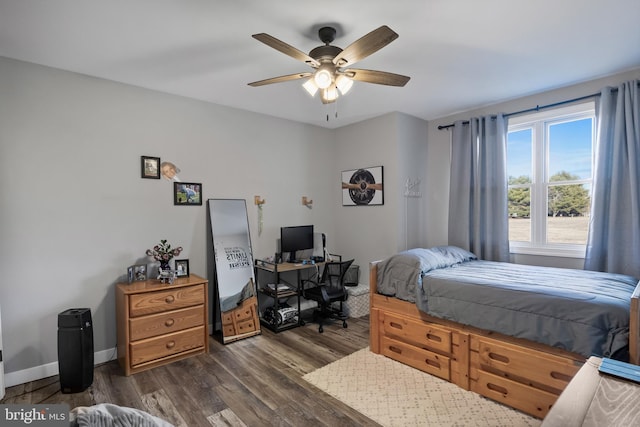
point(329, 290)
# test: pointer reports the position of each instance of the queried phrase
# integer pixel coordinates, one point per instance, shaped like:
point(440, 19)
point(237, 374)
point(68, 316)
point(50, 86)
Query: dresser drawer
point(422, 335)
point(229, 330)
point(243, 313)
point(425, 360)
point(163, 323)
point(166, 345)
point(171, 299)
point(514, 394)
point(531, 365)
point(227, 317)
point(247, 326)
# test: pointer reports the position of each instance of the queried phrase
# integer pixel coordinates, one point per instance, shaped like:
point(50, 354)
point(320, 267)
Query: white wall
point(76, 214)
point(412, 170)
point(438, 158)
point(398, 143)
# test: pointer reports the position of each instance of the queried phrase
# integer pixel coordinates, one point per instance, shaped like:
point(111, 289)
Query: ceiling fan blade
point(280, 79)
point(285, 48)
point(378, 77)
point(365, 46)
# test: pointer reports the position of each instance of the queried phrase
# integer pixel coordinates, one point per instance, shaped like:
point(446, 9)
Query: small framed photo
point(182, 267)
point(187, 193)
point(137, 273)
point(150, 167)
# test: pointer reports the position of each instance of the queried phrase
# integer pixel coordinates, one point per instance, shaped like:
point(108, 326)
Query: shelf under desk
point(294, 290)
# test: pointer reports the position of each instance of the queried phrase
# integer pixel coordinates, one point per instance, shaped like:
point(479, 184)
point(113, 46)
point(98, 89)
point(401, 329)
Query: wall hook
point(307, 202)
point(258, 201)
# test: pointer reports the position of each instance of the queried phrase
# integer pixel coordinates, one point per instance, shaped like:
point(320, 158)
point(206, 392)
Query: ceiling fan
point(330, 76)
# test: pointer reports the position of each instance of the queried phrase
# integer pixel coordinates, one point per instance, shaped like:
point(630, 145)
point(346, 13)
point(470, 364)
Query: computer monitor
point(294, 239)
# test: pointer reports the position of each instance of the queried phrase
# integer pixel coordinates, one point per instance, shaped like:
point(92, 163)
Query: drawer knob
point(169, 322)
point(169, 299)
point(171, 344)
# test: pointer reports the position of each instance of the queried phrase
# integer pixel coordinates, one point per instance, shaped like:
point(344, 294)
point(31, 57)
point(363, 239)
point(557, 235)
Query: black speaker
point(75, 350)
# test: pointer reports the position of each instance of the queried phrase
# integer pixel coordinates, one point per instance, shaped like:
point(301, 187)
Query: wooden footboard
point(519, 373)
point(634, 327)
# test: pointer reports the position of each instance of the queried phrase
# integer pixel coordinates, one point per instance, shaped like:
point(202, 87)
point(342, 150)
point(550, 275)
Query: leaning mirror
point(234, 274)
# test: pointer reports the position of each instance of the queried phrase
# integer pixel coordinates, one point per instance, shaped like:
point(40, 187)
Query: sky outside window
point(519, 153)
point(570, 148)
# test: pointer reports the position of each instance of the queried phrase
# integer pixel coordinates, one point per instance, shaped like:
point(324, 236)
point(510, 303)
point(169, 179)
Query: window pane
point(519, 156)
point(570, 150)
point(568, 213)
point(520, 214)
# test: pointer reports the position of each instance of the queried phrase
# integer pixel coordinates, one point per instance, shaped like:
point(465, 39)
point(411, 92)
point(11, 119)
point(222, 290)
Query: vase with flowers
point(163, 253)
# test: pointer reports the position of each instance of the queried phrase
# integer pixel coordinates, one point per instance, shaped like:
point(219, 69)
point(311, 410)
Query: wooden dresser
point(242, 321)
point(160, 323)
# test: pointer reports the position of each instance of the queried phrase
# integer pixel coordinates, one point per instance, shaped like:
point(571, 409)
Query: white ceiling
point(460, 54)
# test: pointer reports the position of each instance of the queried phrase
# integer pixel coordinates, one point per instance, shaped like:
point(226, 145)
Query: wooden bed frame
point(519, 373)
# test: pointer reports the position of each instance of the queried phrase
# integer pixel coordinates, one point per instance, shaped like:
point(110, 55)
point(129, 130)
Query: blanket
point(109, 415)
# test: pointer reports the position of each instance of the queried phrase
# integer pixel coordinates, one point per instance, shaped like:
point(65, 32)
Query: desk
point(275, 314)
point(594, 399)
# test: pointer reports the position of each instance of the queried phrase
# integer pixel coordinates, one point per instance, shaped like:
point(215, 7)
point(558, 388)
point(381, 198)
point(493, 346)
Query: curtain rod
point(536, 108)
point(539, 107)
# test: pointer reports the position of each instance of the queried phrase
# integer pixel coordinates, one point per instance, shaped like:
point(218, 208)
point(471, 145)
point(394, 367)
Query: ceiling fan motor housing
point(327, 34)
point(325, 53)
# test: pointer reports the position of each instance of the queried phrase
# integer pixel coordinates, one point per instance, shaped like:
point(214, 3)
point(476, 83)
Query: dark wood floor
point(253, 382)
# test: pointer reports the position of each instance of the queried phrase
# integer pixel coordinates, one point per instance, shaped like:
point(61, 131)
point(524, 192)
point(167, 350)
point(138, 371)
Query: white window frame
point(539, 122)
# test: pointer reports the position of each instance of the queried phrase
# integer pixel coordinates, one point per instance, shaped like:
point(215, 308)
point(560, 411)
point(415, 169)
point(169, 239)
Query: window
point(550, 172)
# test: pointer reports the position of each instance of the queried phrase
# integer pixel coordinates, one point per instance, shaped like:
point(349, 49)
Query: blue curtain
point(478, 188)
point(614, 233)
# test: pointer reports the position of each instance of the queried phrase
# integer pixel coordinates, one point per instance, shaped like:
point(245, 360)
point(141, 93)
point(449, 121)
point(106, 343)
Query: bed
point(516, 334)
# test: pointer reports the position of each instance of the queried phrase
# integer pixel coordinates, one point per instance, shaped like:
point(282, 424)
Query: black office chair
point(327, 292)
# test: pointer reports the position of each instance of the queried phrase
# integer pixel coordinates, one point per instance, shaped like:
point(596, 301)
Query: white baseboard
point(51, 369)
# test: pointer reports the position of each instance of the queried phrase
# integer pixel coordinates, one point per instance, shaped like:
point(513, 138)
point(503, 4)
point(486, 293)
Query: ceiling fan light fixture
point(310, 87)
point(323, 78)
point(344, 83)
point(329, 94)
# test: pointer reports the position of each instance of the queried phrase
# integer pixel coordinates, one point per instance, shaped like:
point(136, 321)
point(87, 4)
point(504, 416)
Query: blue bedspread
point(581, 311)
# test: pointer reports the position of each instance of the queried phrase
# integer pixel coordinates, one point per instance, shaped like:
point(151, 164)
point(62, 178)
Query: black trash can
point(75, 350)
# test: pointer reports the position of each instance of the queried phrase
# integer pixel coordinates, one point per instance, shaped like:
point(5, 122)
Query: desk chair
point(328, 291)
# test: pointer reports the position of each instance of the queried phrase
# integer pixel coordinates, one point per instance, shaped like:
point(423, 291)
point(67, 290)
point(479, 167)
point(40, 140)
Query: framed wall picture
point(150, 167)
point(137, 273)
point(362, 187)
point(182, 267)
point(170, 171)
point(187, 193)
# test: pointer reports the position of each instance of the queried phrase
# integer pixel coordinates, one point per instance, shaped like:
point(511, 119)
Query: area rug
point(393, 394)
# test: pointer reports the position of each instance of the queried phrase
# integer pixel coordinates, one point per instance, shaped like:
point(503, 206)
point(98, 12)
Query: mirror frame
point(235, 284)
